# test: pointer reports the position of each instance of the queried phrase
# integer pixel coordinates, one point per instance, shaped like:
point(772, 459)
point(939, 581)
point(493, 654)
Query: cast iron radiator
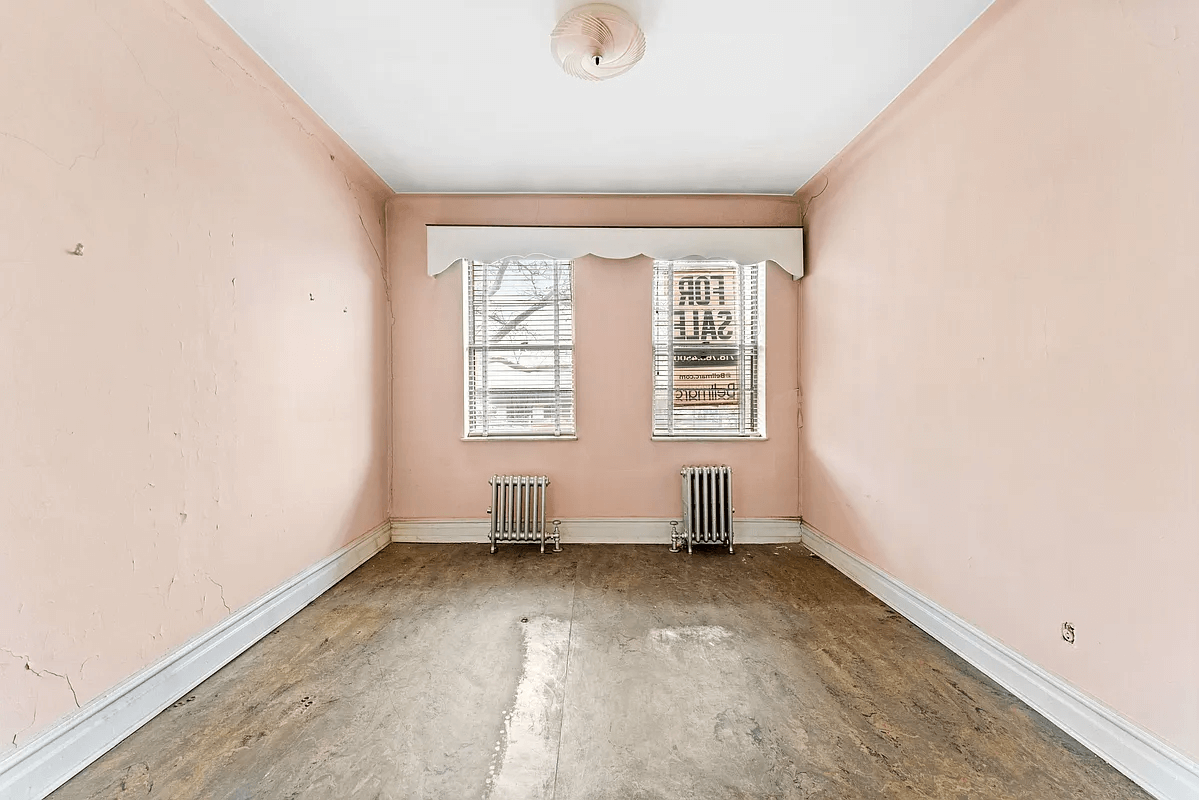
point(518, 511)
point(707, 508)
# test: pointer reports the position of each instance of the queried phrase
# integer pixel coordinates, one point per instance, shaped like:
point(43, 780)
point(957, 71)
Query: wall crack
point(43, 673)
point(379, 257)
point(282, 103)
point(222, 588)
point(74, 161)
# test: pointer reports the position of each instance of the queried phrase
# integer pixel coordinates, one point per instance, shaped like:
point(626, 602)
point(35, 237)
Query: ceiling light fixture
point(596, 42)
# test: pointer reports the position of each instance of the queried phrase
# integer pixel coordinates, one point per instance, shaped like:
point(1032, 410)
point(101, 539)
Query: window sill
point(709, 438)
point(564, 438)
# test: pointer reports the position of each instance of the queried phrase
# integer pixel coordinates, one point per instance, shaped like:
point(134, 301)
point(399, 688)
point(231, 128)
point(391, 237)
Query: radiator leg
point(676, 538)
point(495, 489)
point(732, 511)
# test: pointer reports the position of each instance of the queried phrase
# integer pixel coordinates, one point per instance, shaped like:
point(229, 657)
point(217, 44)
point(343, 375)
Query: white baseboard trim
point(1154, 765)
point(53, 757)
point(592, 531)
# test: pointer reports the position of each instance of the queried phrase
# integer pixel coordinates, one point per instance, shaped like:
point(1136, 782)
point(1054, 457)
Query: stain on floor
point(603, 672)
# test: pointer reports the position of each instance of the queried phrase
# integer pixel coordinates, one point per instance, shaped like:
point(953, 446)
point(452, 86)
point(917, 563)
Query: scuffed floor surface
point(630, 673)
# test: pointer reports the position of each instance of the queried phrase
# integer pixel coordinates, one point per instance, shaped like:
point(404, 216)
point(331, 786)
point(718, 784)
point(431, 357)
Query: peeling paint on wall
point(188, 431)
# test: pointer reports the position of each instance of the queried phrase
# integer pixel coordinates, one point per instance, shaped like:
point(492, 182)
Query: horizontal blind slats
point(693, 320)
point(519, 353)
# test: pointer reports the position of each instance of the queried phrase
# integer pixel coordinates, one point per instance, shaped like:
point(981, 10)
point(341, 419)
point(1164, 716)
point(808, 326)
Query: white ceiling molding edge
point(449, 244)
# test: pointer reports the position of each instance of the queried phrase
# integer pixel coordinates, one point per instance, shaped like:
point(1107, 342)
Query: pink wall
point(613, 470)
point(1000, 344)
point(184, 428)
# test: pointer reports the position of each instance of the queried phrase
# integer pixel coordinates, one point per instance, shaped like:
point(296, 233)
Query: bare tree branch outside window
point(520, 374)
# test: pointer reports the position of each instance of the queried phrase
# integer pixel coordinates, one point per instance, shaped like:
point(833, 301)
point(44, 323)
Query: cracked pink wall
point(1000, 344)
point(195, 409)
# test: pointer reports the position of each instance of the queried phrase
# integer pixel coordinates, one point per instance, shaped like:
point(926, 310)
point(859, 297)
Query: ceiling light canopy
point(596, 42)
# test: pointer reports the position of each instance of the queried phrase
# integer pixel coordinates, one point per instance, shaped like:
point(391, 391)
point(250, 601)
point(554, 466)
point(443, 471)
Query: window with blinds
point(519, 334)
point(709, 376)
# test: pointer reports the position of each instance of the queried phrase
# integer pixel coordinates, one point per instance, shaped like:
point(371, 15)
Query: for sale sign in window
point(706, 338)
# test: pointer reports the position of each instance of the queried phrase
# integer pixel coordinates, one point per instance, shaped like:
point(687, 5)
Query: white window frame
point(570, 434)
point(754, 432)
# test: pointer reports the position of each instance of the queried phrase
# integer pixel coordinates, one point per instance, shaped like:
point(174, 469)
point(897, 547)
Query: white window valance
point(449, 244)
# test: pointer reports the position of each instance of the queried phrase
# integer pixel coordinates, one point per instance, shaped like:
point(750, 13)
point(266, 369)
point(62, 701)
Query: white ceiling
point(732, 96)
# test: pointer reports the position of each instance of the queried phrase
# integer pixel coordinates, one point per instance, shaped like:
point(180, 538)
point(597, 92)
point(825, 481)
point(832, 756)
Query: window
point(708, 349)
point(519, 335)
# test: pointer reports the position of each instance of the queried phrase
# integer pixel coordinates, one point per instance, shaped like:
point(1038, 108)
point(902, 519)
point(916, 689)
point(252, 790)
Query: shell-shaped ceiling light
point(597, 41)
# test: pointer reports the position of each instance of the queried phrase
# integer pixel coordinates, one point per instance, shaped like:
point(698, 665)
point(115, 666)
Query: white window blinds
point(519, 336)
point(709, 376)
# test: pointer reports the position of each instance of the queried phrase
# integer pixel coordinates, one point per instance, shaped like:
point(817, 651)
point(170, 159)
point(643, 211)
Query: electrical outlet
point(1068, 632)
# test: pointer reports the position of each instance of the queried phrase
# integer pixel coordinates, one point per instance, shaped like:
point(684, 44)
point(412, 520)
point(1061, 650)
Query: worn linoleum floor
point(622, 672)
